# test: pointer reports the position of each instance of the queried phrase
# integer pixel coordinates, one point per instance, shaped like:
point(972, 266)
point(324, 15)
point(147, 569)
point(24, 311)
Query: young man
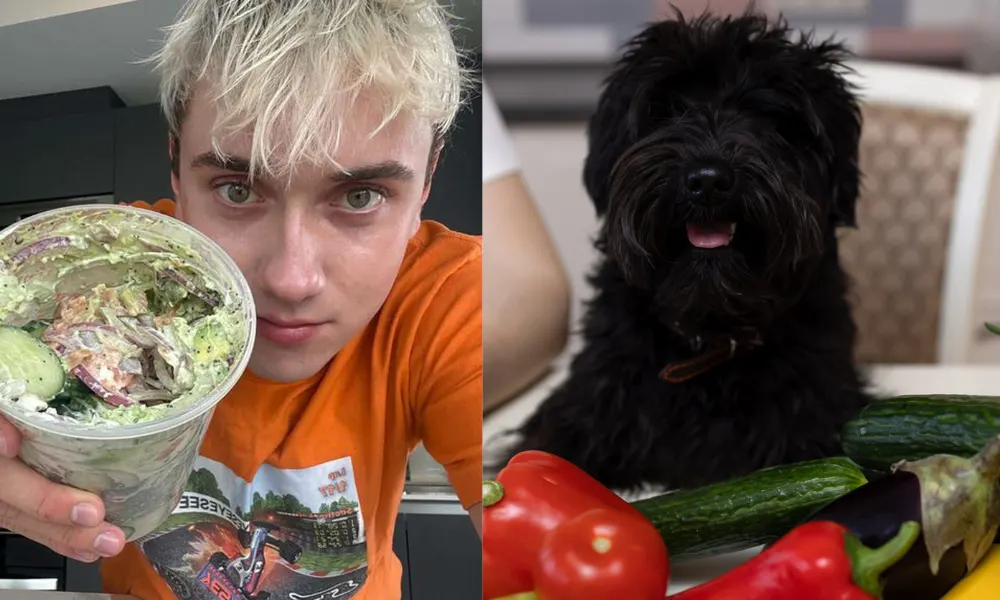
point(304, 135)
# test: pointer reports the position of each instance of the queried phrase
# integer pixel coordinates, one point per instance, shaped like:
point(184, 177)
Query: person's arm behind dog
point(526, 290)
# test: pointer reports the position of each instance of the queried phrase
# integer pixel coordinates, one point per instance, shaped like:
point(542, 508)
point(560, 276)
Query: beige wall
point(552, 163)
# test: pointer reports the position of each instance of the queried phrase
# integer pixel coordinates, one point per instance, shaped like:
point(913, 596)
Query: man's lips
point(287, 332)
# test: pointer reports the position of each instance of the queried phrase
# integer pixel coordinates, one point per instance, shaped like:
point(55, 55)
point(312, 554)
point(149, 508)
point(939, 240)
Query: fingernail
point(85, 515)
point(108, 544)
point(3, 446)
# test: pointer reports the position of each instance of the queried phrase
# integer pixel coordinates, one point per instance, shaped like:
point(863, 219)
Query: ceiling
point(51, 46)
point(20, 11)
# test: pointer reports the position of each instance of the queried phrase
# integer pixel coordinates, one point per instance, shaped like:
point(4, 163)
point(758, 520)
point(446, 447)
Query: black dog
point(722, 157)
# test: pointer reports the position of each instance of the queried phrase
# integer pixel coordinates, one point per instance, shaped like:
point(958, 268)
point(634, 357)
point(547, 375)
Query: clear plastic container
point(139, 470)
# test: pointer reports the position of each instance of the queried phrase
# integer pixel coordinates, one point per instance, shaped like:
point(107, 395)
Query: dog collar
point(710, 353)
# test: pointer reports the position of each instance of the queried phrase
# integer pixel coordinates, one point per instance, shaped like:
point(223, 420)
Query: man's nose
point(294, 272)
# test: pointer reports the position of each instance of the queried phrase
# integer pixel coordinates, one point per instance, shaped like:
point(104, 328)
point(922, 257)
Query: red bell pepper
point(552, 532)
point(820, 560)
point(499, 578)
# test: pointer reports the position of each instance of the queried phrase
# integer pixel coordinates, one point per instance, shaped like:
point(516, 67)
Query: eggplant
point(956, 501)
point(874, 512)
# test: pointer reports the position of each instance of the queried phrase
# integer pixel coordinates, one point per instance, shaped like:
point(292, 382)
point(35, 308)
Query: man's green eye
point(363, 198)
point(237, 193)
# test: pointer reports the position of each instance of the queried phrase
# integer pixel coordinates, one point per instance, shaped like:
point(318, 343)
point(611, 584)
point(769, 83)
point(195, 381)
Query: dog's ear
point(838, 109)
point(845, 176)
point(622, 109)
point(846, 187)
point(608, 138)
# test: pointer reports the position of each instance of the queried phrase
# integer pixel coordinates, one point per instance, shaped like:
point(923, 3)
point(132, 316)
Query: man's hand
point(67, 520)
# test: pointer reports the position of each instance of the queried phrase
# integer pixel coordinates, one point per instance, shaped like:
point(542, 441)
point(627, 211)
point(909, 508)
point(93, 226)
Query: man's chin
point(286, 365)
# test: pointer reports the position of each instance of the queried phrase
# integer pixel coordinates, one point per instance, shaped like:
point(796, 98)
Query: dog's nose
point(709, 181)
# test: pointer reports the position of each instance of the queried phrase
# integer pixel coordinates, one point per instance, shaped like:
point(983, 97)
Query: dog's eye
point(790, 119)
point(664, 110)
point(793, 126)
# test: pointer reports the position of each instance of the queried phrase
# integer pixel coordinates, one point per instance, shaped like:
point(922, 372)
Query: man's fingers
point(82, 543)
point(10, 439)
point(65, 519)
point(87, 557)
point(31, 494)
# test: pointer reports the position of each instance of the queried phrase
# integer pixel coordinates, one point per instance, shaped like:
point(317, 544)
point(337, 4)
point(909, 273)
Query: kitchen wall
point(573, 30)
point(545, 59)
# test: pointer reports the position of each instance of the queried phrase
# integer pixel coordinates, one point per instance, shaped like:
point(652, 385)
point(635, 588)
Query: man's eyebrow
point(390, 169)
point(386, 170)
point(237, 164)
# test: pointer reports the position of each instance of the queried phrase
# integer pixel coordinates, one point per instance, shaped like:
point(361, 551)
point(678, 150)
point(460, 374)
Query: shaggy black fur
point(767, 115)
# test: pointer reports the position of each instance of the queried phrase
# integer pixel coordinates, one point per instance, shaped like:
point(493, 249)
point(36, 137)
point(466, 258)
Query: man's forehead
point(361, 138)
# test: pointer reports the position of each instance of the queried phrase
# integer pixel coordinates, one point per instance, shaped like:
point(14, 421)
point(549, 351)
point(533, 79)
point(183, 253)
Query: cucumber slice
point(25, 358)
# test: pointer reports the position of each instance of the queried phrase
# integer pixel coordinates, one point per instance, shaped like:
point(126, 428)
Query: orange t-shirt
point(324, 460)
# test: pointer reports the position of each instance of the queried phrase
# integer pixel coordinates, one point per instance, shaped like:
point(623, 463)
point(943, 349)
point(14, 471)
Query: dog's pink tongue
point(715, 235)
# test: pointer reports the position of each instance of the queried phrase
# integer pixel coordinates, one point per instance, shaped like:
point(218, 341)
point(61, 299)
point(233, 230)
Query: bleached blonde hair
point(288, 71)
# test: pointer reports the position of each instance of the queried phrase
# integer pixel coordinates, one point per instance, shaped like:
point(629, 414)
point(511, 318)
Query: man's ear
point(173, 147)
point(431, 168)
point(429, 178)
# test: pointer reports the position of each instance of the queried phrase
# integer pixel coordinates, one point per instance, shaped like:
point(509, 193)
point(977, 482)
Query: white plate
point(693, 572)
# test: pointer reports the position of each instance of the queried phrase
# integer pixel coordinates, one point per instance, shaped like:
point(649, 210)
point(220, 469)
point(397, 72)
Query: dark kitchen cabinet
point(83, 577)
point(57, 157)
point(142, 158)
point(456, 197)
point(399, 548)
point(29, 563)
point(445, 557)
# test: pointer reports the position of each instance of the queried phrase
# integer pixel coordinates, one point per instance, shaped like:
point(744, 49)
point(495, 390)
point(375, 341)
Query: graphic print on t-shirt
point(295, 534)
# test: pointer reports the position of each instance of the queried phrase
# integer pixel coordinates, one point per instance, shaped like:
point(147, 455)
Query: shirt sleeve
point(163, 206)
point(499, 156)
point(449, 356)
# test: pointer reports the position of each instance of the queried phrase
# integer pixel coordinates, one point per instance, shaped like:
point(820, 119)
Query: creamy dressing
point(137, 318)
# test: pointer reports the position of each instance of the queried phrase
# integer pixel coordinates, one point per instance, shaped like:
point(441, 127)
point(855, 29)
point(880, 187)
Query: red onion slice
point(109, 397)
point(77, 336)
point(190, 286)
point(130, 365)
point(162, 372)
point(151, 396)
point(130, 329)
point(39, 247)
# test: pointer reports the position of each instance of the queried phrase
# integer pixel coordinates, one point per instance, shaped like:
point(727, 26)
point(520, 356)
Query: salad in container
point(120, 331)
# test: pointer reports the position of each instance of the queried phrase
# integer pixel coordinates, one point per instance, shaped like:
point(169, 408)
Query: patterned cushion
point(910, 160)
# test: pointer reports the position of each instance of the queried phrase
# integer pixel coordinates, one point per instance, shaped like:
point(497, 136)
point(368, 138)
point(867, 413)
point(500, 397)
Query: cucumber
point(25, 358)
point(748, 511)
point(915, 427)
